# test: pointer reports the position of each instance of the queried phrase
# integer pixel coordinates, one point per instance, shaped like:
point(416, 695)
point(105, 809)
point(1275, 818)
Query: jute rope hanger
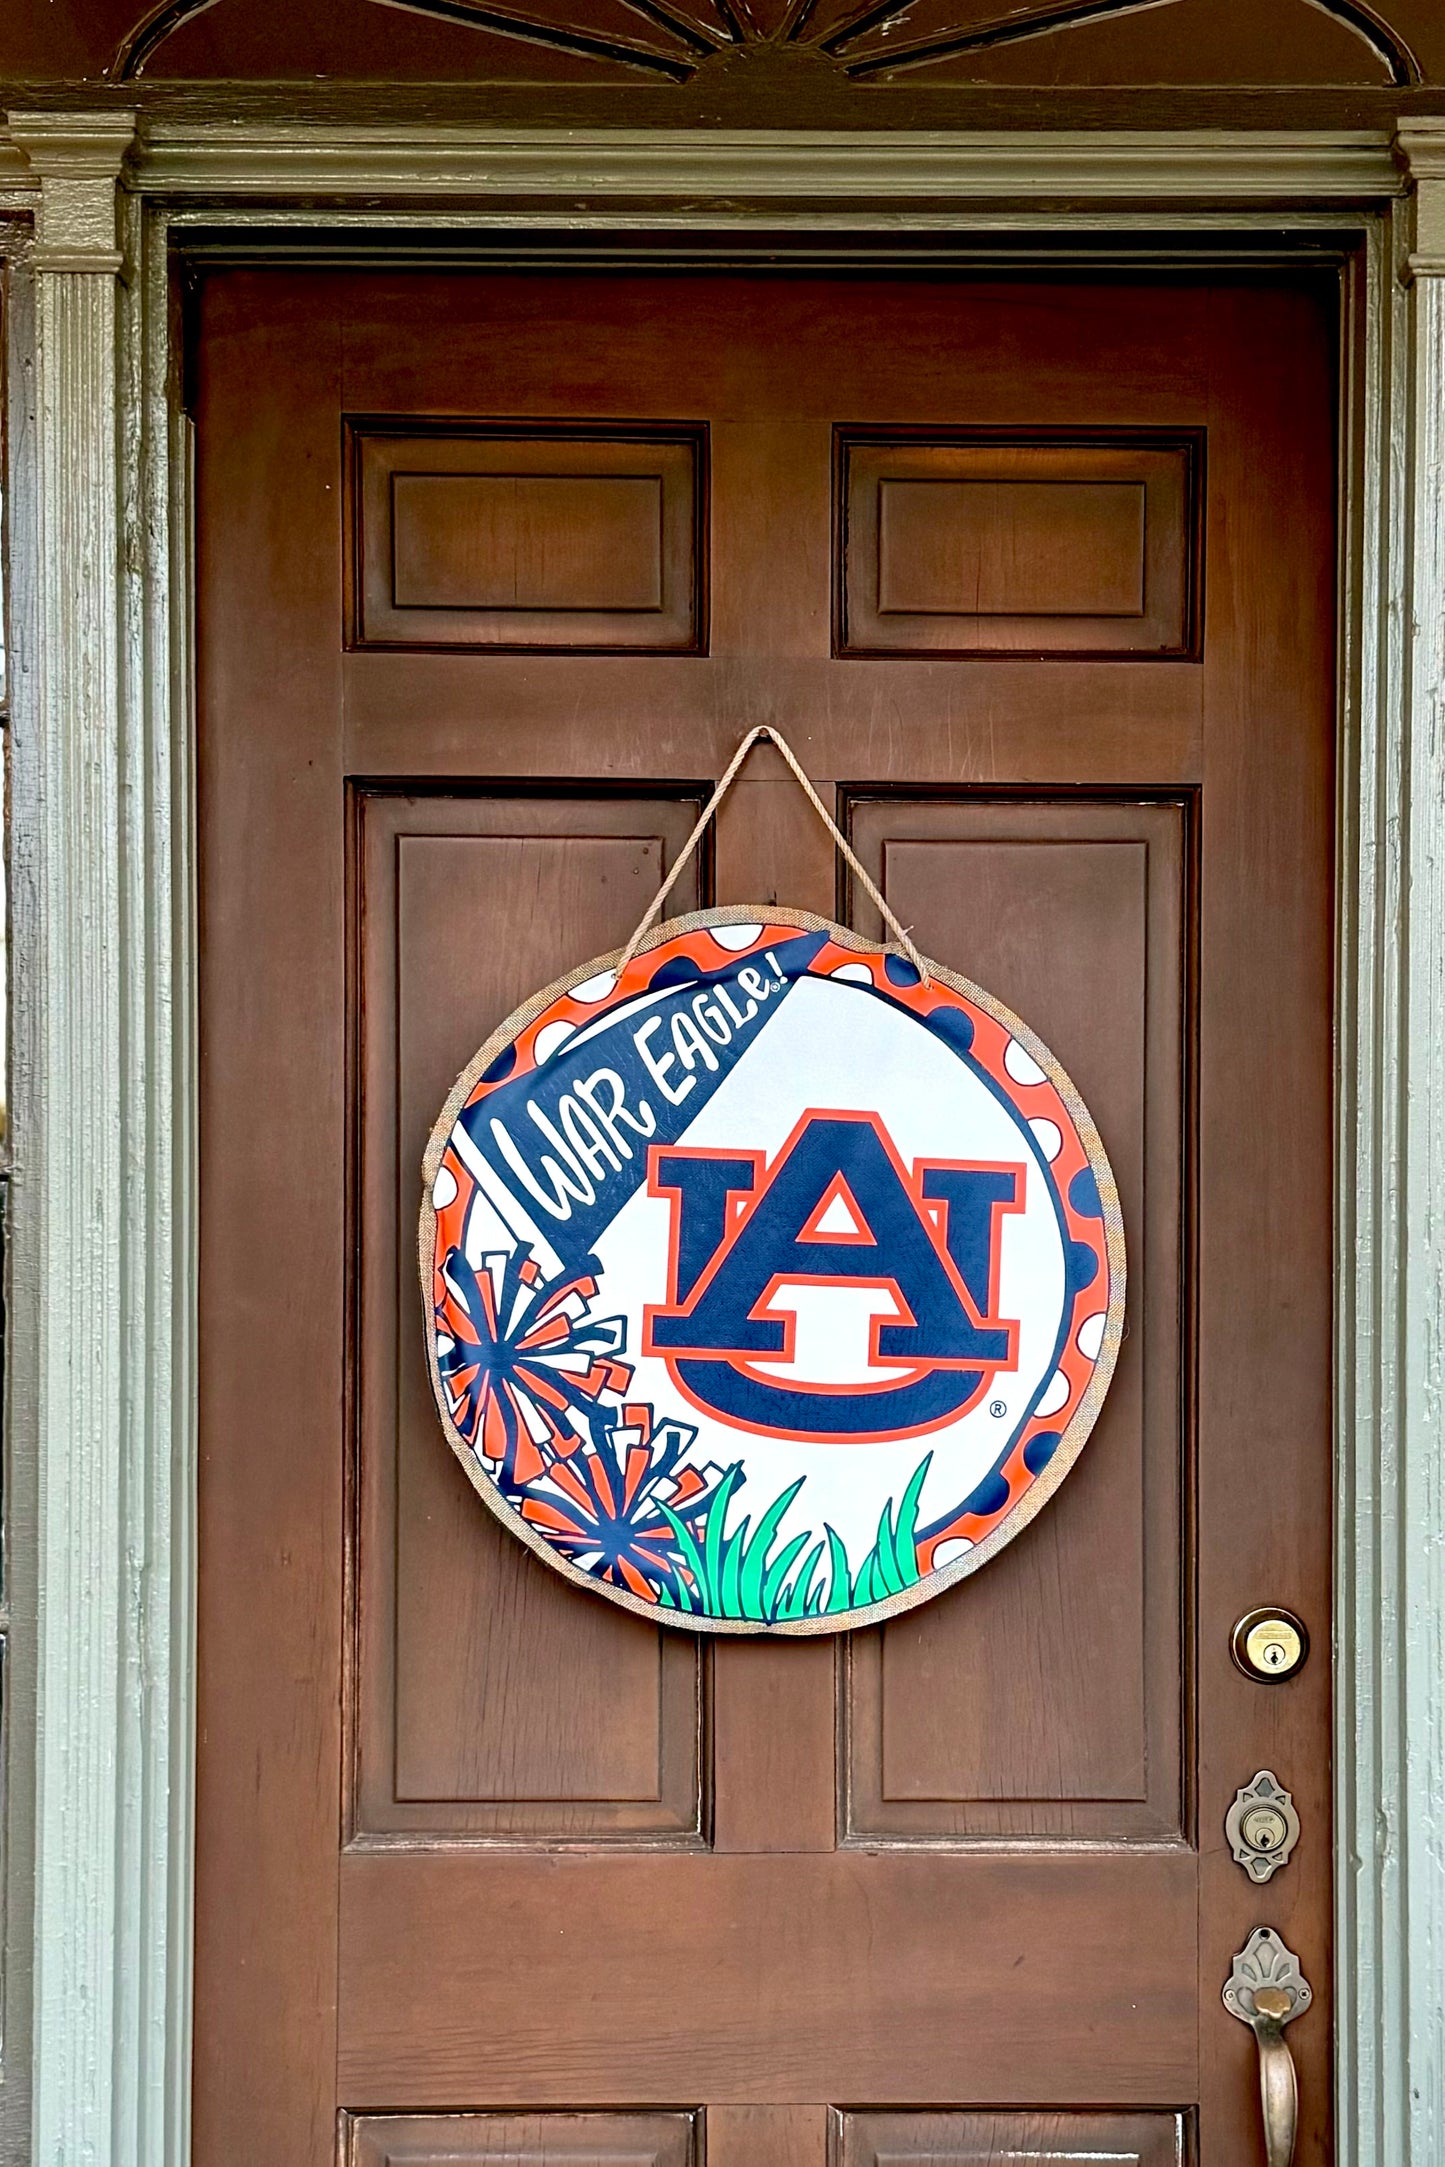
point(760, 730)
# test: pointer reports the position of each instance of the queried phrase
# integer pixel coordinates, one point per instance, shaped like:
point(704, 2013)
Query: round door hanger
point(769, 1285)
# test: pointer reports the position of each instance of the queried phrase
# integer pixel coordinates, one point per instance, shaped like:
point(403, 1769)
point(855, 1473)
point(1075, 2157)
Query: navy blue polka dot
point(504, 1064)
point(1084, 1194)
point(1083, 1266)
point(990, 1496)
point(1040, 1450)
point(953, 1027)
point(677, 971)
point(900, 971)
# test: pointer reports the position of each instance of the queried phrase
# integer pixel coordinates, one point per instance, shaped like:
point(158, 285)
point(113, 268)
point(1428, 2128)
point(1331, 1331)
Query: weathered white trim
point(76, 160)
point(153, 1969)
point(111, 921)
point(78, 1191)
point(1421, 146)
point(19, 182)
point(1422, 1232)
point(1372, 2084)
point(97, 1175)
point(1420, 1257)
point(1392, 1248)
point(937, 166)
point(22, 1232)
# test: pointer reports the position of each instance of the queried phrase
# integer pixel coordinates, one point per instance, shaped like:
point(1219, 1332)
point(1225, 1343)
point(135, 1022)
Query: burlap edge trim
point(1081, 1423)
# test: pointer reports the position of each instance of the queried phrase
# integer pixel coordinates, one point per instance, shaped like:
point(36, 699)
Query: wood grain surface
point(472, 1845)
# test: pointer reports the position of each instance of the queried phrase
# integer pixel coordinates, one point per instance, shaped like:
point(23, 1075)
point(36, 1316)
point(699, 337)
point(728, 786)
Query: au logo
point(769, 1284)
point(835, 1209)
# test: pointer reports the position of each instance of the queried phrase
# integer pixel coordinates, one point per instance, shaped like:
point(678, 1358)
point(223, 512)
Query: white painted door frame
point(103, 1283)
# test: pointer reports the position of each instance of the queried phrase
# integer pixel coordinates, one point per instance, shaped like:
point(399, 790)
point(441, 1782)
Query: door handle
point(1266, 1990)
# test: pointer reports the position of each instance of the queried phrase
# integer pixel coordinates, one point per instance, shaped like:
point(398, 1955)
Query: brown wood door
point(493, 572)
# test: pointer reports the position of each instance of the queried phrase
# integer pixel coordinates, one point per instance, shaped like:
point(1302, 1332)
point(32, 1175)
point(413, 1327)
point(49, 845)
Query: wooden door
point(493, 573)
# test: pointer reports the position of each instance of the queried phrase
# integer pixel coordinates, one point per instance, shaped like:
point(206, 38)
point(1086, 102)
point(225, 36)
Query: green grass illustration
point(892, 1564)
point(743, 1574)
point(738, 1574)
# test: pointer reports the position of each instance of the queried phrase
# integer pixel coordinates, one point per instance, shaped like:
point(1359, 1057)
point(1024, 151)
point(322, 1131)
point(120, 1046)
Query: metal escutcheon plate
point(1262, 1826)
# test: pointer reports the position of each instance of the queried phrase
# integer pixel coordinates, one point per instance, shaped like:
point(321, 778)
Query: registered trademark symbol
point(998, 1407)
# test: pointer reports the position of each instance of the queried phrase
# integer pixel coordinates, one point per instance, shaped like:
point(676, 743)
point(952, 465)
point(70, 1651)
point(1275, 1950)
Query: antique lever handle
point(1266, 1989)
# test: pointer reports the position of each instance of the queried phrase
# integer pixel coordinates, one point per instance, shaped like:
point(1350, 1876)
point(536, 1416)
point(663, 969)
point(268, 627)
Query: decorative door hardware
point(1270, 1644)
point(1267, 1990)
point(1262, 1826)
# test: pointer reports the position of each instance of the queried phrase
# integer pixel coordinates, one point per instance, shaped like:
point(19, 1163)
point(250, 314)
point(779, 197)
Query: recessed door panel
point(489, 1701)
point(1047, 1695)
point(526, 538)
point(986, 542)
point(1010, 2140)
point(520, 2140)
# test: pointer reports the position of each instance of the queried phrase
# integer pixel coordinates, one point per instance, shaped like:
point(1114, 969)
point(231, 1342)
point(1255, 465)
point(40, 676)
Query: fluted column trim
point(74, 1176)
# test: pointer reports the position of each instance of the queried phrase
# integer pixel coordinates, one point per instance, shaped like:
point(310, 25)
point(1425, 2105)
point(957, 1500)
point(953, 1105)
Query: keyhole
point(1269, 1644)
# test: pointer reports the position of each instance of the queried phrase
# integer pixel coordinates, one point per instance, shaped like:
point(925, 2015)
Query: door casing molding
point(104, 1448)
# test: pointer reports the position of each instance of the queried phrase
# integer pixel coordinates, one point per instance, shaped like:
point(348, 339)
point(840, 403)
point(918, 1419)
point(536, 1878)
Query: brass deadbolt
point(1270, 1644)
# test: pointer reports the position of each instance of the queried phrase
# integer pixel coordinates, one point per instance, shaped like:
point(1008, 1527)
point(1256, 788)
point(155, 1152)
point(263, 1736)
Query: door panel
point(522, 2140)
point(885, 1975)
point(944, 1737)
point(509, 537)
point(979, 542)
point(489, 1701)
point(485, 1867)
point(1000, 2140)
